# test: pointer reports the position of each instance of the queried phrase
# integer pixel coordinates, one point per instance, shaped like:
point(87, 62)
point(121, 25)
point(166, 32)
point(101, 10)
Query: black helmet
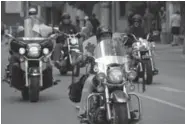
point(103, 30)
point(65, 16)
point(137, 18)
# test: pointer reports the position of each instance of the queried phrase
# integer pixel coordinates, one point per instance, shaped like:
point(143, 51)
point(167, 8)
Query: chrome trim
point(26, 73)
point(41, 75)
point(109, 117)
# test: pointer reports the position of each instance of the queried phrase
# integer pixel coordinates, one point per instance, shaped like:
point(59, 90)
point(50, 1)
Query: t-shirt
point(175, 20)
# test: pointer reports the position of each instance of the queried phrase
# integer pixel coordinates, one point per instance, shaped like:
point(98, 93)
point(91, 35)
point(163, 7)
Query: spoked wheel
point(25, 94)
point(34, 89)
point(120, 114)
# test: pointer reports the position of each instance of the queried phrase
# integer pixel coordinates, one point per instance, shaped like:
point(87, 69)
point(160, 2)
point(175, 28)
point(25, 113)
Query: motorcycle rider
point(103, 33)
point(14, 56)
point(66, 27)
point(138, 31)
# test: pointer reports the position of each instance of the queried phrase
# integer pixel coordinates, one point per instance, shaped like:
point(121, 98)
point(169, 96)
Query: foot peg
point(156, 72)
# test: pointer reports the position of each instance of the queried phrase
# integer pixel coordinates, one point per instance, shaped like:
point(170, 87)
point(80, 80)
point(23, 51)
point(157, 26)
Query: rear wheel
point(34, 89)
point(120, 114)
point(63, 72)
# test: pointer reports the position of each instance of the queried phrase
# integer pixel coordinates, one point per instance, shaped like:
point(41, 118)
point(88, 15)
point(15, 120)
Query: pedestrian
point(78, 24)
point(95, 23)
point(162, 15)
point(130, 15)
point(89, 26)
point(175, 23)
point(148, 20)
point(2, 31)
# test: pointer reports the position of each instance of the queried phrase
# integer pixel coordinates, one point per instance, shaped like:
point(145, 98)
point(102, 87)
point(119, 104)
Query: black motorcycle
point(32, 71)
point(70, 52)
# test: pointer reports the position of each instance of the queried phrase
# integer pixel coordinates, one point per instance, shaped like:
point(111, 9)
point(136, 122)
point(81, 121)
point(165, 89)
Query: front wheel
point(34, 89)
point(76, 70)
point(148, 73)
point(120, 113)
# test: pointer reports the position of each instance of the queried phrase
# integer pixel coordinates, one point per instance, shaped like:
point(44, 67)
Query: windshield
point(109, 52)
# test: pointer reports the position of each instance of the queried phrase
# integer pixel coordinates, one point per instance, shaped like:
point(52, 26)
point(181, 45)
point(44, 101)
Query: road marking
point(161, 101)
point(171, 89)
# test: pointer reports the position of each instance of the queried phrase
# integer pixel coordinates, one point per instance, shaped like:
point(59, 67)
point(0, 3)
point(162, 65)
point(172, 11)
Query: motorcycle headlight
point(115, 76)
point(45, 51)
point(34, 50)
point(132, 75)
point(100, 76)
point(22, 51)
point(74, 41)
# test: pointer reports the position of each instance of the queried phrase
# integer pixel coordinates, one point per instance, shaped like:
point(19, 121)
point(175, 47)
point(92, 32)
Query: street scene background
point(162, 103)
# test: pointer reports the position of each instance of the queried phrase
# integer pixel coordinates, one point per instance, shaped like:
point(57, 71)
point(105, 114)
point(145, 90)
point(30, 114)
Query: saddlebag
point(75, 89)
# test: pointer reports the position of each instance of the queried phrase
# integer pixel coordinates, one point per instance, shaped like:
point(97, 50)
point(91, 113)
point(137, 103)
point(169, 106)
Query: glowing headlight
point(100, 76)
point(22, 51)
point(34, 50)
point(115, 76)
point(45, 51)
point(74, 41)
point(132, 75)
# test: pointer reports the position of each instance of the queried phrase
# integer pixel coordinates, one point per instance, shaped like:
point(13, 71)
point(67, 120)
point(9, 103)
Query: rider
point(138, 31)
point(66, 27)
point(14, 56)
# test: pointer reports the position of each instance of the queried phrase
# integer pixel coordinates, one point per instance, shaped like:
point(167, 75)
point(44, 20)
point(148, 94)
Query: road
point(162, 103)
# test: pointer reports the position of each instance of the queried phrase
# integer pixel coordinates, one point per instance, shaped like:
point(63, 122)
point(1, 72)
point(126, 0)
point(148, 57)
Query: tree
point(86, 6)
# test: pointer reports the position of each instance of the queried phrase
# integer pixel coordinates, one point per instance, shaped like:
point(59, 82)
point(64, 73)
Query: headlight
point(22, 51)
point(100, 76)
point(34, 50)
point(115, 76)
point(132, 75)
point(74, 41)
point(45, 51)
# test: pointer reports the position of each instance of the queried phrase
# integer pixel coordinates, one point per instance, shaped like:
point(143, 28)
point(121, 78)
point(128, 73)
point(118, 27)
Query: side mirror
point(10, 36)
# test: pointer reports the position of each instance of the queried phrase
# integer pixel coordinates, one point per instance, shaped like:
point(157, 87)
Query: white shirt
point(175, 20)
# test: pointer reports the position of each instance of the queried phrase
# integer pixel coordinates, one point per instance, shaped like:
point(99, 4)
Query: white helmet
point(32, 11)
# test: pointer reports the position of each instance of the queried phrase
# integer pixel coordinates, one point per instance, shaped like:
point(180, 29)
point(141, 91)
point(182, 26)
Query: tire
point(148, 71)
point(34, 89)
point(120, 113)
point(63, 72)
point(25, 94)
point(76, 70)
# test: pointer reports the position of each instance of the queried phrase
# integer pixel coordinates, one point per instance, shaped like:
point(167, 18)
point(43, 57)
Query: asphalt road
point(162, 103)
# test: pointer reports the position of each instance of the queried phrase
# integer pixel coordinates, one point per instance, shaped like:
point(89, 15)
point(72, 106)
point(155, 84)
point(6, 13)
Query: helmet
point(103, 30)
point(32, 11)
point(137, 18)
point(65, 16)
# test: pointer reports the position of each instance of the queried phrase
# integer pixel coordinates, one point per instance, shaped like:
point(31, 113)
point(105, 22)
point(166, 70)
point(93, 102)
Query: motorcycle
point(32, 72)
point(70, 53)
point(143, 54)
point(110, 100)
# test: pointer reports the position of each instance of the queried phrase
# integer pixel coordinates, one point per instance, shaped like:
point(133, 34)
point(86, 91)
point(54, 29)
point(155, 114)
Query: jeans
point(57, 52)
point(87, 90)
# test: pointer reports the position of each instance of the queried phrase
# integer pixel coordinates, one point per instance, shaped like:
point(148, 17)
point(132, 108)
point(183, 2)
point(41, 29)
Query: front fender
point(119, 96)
point(34, 71)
